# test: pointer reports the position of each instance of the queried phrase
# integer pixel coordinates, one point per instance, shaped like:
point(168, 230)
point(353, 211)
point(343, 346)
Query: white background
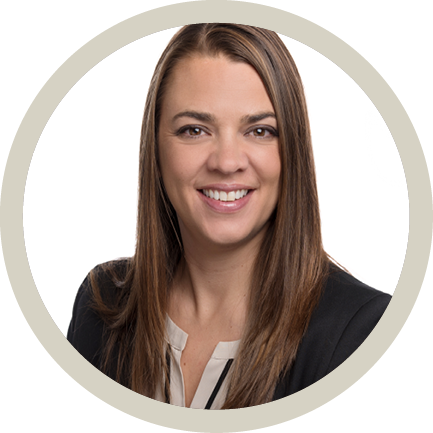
point(81, 191)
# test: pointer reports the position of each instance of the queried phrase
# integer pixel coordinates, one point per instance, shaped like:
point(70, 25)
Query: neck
point(212, 282)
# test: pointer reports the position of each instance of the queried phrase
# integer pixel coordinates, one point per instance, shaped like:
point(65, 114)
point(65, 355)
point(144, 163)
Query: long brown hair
point(291, 266)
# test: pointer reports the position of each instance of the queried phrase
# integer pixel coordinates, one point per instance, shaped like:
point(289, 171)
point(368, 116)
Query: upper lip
point(226, 187)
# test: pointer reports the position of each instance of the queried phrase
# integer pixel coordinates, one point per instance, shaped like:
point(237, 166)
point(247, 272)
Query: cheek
point(178, 167)
point(268, 166)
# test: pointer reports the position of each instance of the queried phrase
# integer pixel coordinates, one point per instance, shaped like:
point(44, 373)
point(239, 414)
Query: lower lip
point(226, 206)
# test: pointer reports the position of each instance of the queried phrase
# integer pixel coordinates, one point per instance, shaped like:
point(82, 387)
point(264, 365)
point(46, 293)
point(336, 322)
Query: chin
point(232, 237)
point(228, 241)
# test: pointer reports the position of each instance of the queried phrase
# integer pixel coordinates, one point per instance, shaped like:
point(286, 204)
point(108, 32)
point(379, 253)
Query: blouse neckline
point(178, 338)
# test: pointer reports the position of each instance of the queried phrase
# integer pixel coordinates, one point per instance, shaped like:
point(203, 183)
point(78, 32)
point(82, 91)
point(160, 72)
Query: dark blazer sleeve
point(358, 329)
point(346, 314)
point(85, 330)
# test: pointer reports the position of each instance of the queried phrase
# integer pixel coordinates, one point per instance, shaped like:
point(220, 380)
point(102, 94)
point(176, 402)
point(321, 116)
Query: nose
point(228, 155)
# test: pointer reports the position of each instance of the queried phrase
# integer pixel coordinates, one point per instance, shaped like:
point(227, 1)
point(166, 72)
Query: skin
point(209, 296)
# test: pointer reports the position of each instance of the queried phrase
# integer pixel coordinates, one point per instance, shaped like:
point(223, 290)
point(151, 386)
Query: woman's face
point(218, 150)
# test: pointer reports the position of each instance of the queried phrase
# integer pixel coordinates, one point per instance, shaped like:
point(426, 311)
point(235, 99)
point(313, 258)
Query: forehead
point(216, 85)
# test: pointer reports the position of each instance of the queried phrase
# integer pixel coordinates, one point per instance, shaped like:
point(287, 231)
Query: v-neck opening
point(223, 352)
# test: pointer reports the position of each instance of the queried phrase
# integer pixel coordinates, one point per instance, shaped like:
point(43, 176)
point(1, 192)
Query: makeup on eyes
point(246, 120)
point(272, 132)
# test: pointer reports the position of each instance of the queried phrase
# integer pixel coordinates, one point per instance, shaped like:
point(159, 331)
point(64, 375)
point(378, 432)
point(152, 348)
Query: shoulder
point(86, 329)
point(108, 279)
point(346, 314)
point(343, 299)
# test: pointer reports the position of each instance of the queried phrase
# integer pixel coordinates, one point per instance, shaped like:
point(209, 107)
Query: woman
point(230, 300)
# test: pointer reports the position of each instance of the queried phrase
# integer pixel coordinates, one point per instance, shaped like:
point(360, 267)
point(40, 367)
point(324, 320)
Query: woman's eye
point(263, 132)
point(191, 131)
point(260, 132)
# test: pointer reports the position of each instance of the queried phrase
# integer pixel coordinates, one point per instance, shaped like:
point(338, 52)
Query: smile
point(225, 196)
point(226, 201)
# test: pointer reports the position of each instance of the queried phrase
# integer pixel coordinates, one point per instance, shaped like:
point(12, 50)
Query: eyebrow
point(203, 117)
point(207, 117)
point(253, 118)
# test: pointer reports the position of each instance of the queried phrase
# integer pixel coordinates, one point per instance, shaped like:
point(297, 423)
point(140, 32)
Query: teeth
point(223, 196)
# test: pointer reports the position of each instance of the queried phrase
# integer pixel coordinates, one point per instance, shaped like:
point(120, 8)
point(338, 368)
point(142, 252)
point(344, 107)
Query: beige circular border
point(47, 386)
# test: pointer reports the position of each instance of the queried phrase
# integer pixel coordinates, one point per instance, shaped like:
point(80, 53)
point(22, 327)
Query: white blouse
point(210, 384)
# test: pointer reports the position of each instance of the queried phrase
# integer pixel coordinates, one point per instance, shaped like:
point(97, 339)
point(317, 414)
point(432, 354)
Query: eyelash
point(184, 129)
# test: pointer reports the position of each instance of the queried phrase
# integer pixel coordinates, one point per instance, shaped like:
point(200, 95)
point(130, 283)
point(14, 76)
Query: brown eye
point(194, 131)
point(259, 132)
point(189, 131)
point(263, 132)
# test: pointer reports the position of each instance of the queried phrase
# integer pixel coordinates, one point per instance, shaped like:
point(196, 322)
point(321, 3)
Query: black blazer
point(346, 314)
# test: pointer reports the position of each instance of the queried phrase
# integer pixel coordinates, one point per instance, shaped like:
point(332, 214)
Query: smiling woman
point(218, 138)
point(230, 300)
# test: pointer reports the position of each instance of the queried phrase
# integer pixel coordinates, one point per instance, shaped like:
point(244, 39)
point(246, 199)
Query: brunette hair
point(291, 266)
